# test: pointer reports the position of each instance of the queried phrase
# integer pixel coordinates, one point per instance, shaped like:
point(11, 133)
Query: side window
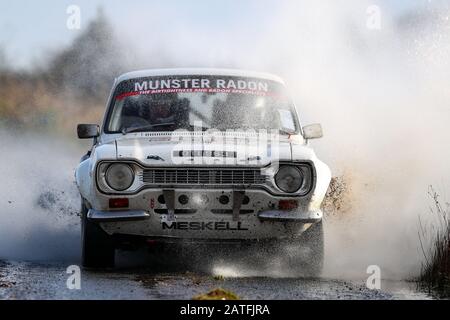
point(286, 120)
point(114, 123)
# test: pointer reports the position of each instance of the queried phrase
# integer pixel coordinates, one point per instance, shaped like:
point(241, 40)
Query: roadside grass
point(435, 246)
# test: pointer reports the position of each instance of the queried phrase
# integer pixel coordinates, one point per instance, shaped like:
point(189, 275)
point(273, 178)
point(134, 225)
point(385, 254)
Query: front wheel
point(98, 250)
point(305, 255)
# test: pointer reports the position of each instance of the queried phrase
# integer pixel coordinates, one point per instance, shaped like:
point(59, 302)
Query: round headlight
point(119, 176)
point(289, 179)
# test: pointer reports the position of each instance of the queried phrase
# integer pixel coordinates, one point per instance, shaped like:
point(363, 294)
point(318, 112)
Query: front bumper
point(252, 217)
point(117, 216)
point(290, 216)
point(270, 215)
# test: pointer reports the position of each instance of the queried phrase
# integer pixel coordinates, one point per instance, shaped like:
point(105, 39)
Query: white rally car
point(202, 156)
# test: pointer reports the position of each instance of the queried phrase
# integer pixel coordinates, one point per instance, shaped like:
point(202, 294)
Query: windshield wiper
point(198, 128)
point(146, 127)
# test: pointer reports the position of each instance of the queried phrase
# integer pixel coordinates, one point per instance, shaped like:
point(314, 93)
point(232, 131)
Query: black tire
point(98, 250)
point(307, 255)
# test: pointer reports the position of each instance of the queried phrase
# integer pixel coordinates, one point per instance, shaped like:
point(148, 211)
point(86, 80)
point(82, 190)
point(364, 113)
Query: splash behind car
point(202, 155)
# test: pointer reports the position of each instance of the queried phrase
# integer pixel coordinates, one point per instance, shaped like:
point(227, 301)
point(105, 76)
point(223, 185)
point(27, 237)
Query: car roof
point(198, 71)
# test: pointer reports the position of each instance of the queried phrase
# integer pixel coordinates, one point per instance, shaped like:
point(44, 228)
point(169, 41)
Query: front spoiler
point(116, 216)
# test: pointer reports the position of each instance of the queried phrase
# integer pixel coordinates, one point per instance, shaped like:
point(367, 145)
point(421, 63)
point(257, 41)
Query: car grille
point(203, 176)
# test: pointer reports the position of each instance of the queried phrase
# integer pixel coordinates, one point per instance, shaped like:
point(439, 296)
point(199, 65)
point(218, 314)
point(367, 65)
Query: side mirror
point(88, 131)
point(313, 131)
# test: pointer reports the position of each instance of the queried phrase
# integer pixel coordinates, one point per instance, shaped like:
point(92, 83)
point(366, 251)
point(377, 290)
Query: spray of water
point(39, 202)
point(382, 99)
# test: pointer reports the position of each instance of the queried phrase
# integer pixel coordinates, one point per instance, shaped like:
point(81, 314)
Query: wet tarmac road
point(26, 280)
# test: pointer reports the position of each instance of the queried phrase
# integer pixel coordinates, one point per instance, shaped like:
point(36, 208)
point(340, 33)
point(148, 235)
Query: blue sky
point(30, 29)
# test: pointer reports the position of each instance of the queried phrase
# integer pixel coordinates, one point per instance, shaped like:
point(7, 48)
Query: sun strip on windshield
point(209, 90)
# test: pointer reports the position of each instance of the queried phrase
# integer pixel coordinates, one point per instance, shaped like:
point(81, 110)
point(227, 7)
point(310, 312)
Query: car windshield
point(222, 103)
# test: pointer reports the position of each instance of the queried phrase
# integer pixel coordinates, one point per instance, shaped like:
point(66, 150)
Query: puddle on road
point(48, 281)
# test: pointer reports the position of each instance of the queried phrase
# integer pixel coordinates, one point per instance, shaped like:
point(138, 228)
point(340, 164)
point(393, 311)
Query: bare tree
point(3, 59)
point(89, 64)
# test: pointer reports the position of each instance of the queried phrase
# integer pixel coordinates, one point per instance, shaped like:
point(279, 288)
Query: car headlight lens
point(119, 176)
point(289, 179)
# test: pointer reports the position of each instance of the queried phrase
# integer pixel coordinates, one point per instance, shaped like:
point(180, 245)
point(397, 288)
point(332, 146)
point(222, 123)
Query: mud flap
point(238, 197)
point(169, 197)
